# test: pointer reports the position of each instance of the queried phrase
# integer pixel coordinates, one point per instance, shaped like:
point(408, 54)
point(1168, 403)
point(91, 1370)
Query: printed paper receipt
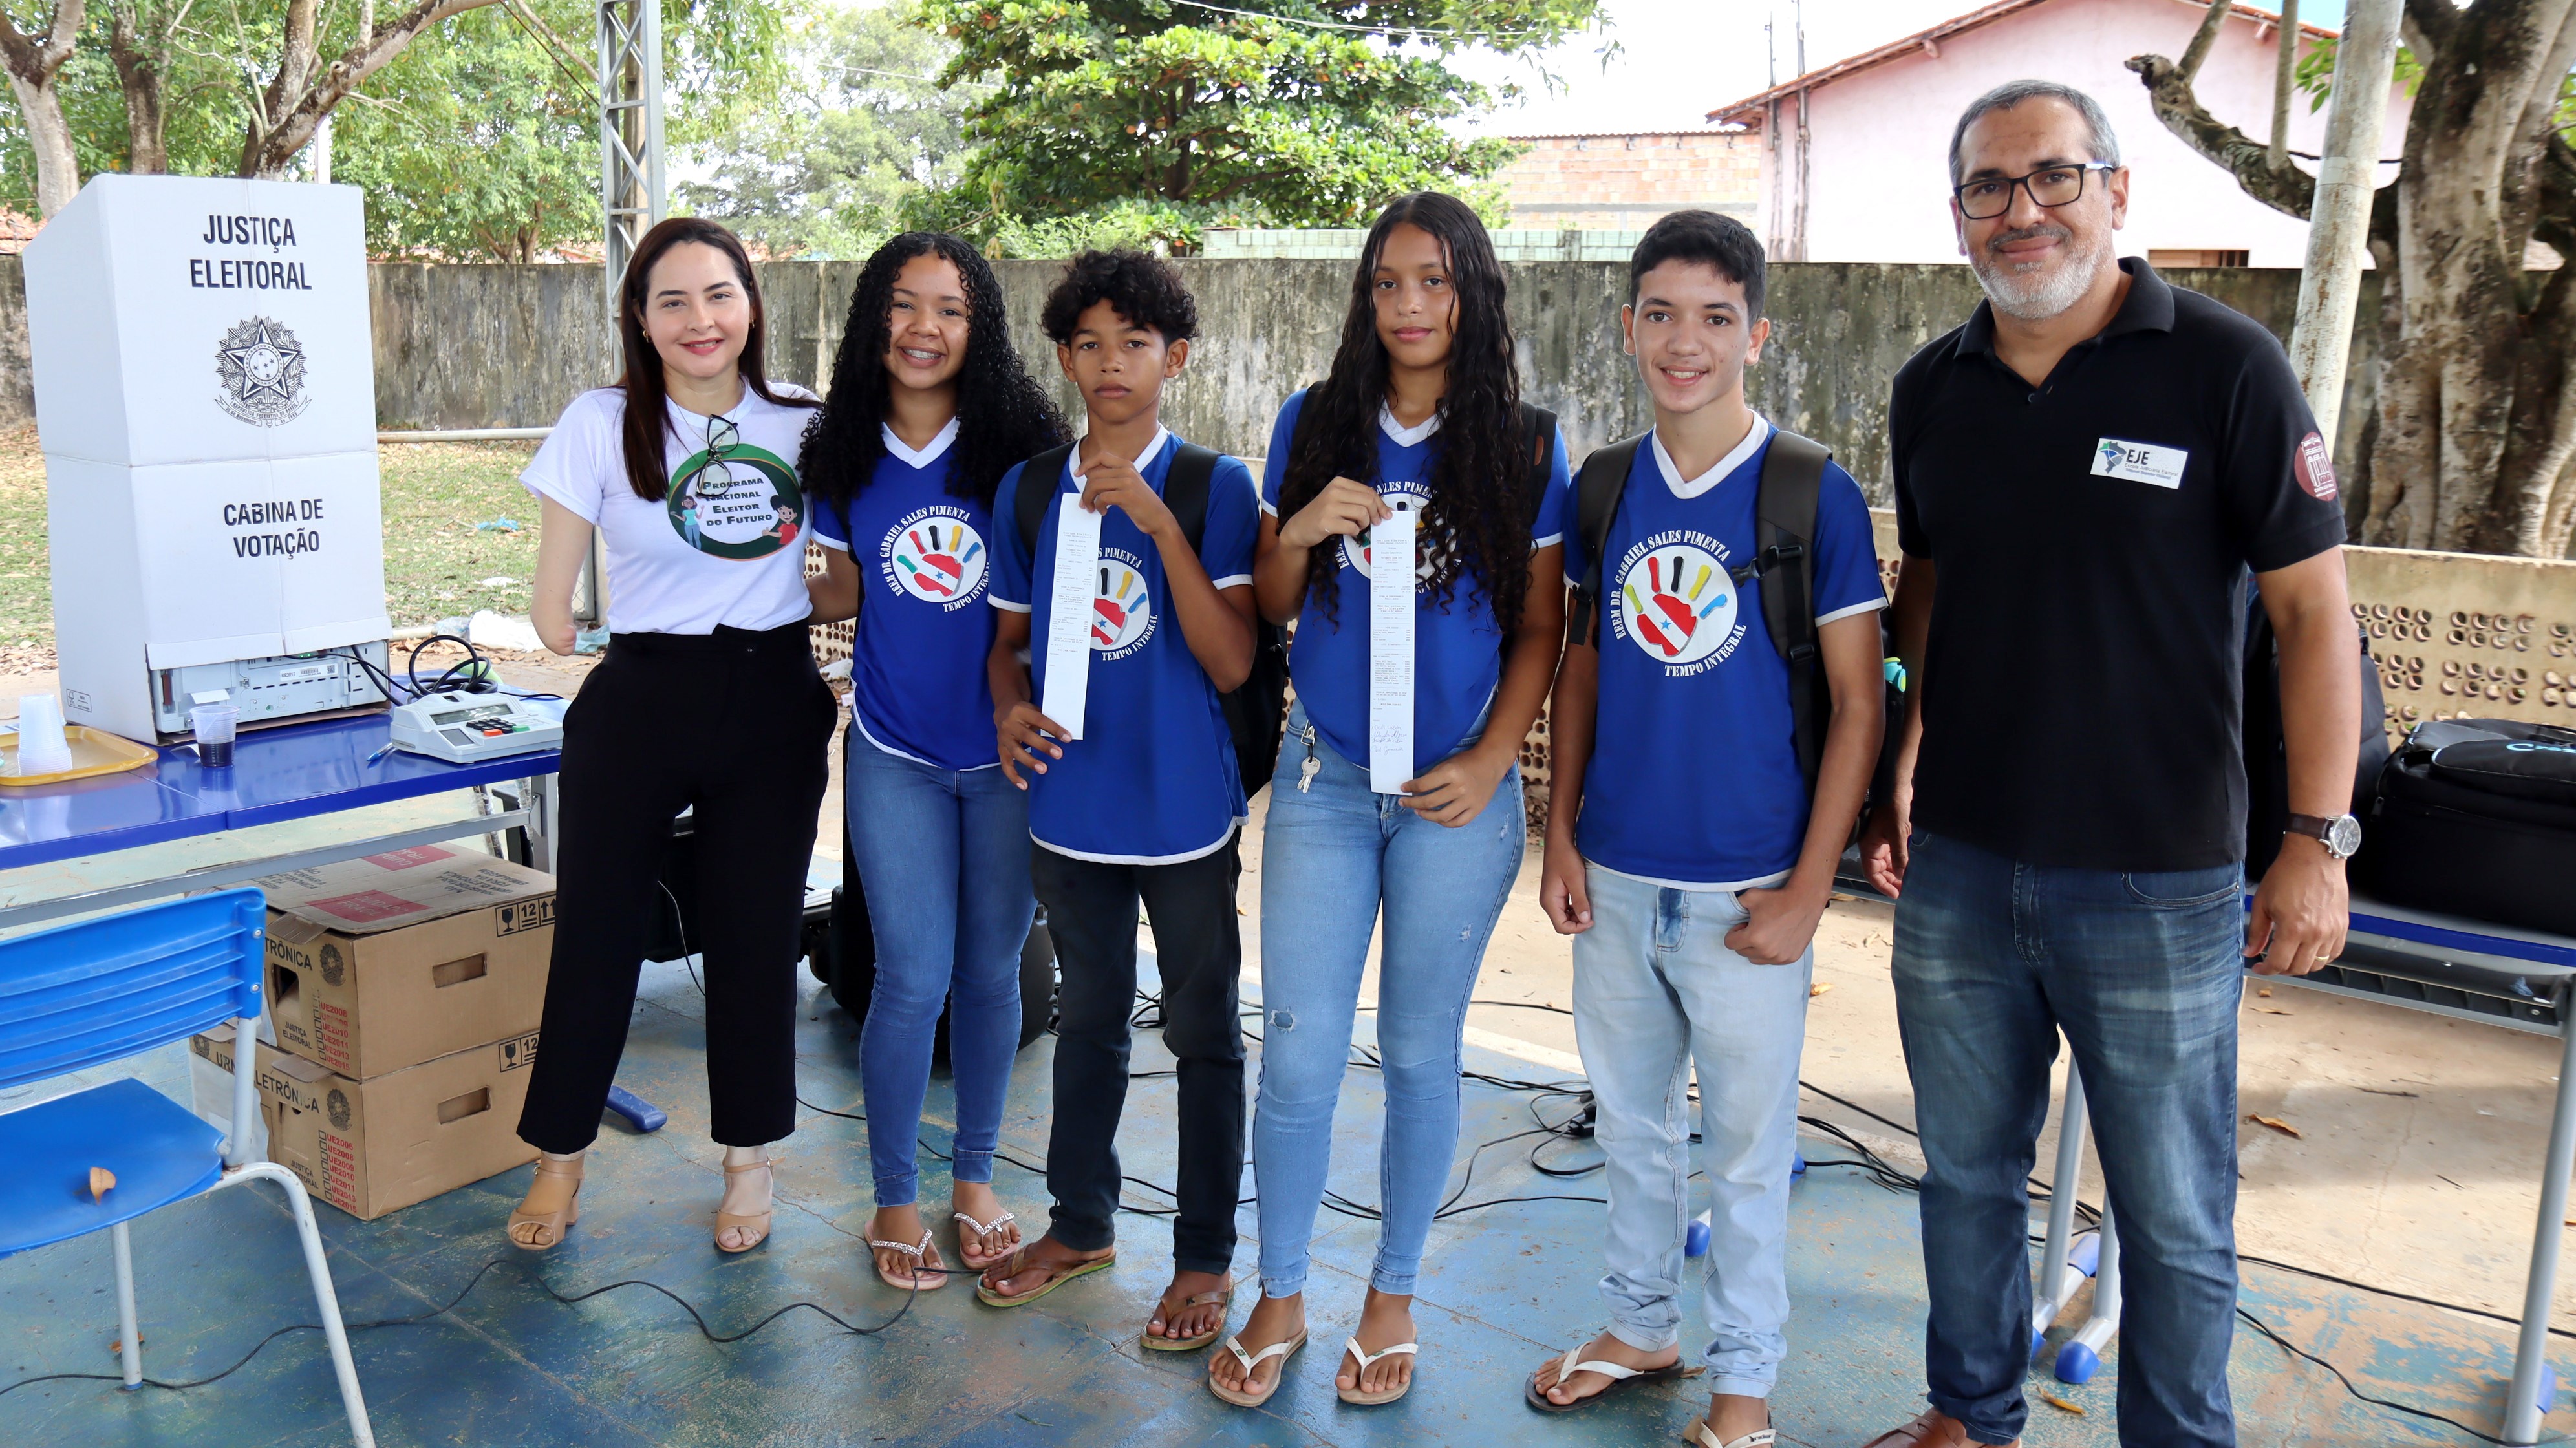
point(1391, 565)
point(1068, 640)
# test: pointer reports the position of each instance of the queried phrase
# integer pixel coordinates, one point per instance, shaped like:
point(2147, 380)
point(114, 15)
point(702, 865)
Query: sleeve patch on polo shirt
point(2315, 468)
point(2140, 462)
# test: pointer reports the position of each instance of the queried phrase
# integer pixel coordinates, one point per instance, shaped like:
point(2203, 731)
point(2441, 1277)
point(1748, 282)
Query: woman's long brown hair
point(648, 409)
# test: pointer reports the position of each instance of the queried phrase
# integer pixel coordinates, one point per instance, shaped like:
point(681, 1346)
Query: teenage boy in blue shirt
point(1148, 802)
point(1688, 860)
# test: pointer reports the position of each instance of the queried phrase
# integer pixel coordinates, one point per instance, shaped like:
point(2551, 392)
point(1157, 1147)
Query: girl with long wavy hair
point(1421, 412)
point(928, 407)
point(686, 470)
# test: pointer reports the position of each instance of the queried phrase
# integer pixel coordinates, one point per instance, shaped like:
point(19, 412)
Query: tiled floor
point(1505, 1288)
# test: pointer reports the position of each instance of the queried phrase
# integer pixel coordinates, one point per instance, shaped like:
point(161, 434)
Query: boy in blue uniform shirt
point(1688, 857)
point(1148, 802)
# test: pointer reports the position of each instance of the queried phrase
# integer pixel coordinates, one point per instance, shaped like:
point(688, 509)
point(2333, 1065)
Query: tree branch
point(2284, 188)
point(2201, 40)
point(2436, 20)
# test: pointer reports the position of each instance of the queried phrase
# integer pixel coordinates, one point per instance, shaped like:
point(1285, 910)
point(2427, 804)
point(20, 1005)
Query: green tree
point(828, 164)
point(1296, 112)
point(481, 140)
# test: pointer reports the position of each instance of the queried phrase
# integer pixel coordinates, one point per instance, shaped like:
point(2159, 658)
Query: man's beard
point(2037, 296)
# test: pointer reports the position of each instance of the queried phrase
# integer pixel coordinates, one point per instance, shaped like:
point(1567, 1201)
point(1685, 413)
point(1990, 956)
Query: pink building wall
point(1878, 178)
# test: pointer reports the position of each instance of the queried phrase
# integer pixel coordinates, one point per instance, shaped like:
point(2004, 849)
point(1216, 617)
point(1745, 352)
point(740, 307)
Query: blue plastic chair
point(103, 990)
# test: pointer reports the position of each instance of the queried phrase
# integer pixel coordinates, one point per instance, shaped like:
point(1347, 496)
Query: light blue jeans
point(2143, 971)
point(1332, 851)
point(944, 858)
point(1655, 988)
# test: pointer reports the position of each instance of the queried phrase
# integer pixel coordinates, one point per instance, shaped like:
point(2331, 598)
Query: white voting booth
point(205, 395)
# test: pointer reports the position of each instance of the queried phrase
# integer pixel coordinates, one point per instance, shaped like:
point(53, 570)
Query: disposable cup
point(42, 748)
point(214, 724)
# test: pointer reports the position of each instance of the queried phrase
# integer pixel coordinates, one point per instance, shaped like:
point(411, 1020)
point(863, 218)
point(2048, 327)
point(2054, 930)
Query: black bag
point(2477, 817)
point(2267, 770)
point(1256, 712)
point(1784, 511)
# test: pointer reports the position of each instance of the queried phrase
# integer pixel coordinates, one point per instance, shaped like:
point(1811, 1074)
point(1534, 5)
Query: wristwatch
point(2340, 835)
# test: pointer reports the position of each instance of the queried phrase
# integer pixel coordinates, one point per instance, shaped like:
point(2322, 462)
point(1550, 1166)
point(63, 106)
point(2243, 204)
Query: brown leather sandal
point(1931, 1428)
point(1219, 1300)
point(544, 1229)
point(1058, 1275)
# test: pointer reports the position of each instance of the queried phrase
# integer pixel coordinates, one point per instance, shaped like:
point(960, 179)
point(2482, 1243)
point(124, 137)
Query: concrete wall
point(508, 346)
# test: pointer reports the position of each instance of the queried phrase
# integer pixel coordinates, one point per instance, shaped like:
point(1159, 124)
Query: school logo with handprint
point(1430, 554)
point(1122, 606)
point(1675, 600)
point(936, 556)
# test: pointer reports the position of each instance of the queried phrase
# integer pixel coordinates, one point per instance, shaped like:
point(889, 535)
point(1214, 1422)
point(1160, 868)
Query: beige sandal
point(547, 1228)
point(921, 1254)
point(753, 1225)
point(1697, 1434)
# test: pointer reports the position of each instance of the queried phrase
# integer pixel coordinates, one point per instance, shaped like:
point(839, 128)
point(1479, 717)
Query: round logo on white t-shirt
point(1122, 607)
point(936, 556)
point(738, 502)
point(1675, 602)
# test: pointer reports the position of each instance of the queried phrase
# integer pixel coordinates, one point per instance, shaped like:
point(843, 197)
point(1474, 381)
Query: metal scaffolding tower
point(631, 193)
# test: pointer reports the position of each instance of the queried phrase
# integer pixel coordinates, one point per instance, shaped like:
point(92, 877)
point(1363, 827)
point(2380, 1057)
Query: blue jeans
point(944, 858)
point(2143, 973)
point(1331, 852)
point(1655, 988)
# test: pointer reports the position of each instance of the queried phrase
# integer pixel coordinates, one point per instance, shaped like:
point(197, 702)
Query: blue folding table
point(291, 772)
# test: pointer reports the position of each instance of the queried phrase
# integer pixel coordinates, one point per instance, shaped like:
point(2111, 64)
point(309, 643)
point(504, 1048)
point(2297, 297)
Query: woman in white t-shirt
point(708, 700)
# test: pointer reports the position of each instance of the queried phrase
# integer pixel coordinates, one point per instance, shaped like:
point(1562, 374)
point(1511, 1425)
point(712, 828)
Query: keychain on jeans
point(1307, 771)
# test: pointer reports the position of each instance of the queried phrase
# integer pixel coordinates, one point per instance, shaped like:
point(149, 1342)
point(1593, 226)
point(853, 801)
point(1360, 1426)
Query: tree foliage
point(481, 141)
point(829, 163)
point(1294, 112)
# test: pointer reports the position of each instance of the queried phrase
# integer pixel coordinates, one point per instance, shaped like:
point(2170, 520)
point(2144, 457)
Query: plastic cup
point(42, 747)
point(214, 724)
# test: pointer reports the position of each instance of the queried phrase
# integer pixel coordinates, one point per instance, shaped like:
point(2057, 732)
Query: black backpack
point(1256, 713)
point(1784, 511)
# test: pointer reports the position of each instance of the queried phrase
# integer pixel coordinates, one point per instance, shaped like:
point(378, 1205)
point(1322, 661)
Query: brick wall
point(1622, 183)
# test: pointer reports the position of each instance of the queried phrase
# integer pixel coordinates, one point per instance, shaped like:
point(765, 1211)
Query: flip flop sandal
point(990, 1298)
point(1619, 1374)
point(1219, 1300)
point(1252, 1366)
point(920, 1254)
point(980, 1229)
point(1368, 1359)
point(1699, 1435)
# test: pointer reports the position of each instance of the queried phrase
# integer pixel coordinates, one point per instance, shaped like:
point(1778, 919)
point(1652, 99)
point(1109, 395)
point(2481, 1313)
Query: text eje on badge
point(2139, 462)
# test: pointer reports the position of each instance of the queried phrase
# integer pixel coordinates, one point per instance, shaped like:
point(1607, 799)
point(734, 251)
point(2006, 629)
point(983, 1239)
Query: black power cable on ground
point(567, 1299)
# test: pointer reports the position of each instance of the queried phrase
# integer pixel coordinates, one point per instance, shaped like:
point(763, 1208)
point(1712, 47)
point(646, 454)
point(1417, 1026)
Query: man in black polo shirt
point(2089, 468)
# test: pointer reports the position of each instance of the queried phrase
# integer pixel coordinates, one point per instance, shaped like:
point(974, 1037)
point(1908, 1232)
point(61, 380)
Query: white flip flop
point(1251, 1365)
point(1699, 1436)
point(1619, 1374)
point(1367, 1360)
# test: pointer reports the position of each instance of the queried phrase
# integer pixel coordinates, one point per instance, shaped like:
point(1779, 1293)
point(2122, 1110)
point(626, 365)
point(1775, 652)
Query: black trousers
point(1091, 913)
point(735, 724)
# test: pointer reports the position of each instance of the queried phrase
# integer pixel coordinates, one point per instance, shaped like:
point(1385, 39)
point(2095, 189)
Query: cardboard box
point(370, 1147)
point(210, 1086)
point(379, 964)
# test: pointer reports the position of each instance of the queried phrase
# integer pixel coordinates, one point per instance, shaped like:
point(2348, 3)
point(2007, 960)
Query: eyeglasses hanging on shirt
point(712, 478)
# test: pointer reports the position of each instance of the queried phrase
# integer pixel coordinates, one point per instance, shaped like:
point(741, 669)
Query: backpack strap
point(1793, 475)
point(1029, 504)
point(1596, 501)
point(1185, 489)
point(1538, 440)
